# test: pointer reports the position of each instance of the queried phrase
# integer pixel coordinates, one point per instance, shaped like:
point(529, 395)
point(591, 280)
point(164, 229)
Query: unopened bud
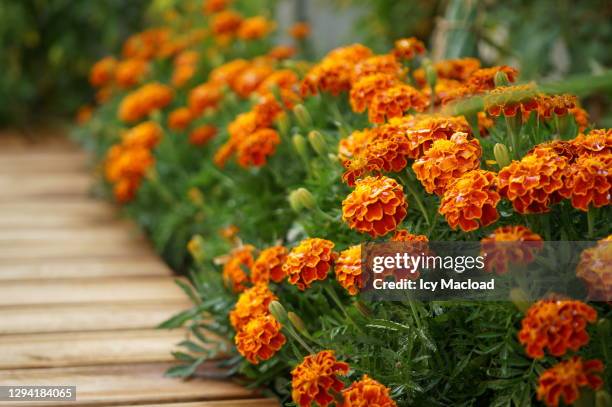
point(278, 311)
point(317, 141)
point(519, 299)
point(430, 73)
point(502, 156)
point(299, 143)
point(501, 79)
point(297, 323)
point(301, 198)
point(603, 399)
point(283, 123)
point(302, 116)
point(196, 249)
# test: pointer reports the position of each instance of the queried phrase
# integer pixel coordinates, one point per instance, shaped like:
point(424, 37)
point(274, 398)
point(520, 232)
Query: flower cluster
point(144, 100)
point(509, 245)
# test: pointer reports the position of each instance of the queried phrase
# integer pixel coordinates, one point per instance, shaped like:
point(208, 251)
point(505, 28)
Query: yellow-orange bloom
point(354, 144)
point(555, 326)
point(144, 100)
point(257, 147)
point(281, 52)
point(299, 30)
point(594, 269)
point(182, 74)
point(376, 206)
point(227, 73)
point(255, 28)
point(269, 265)
point(447, 160)
point(248, 80)
point(394, 101)
point(557, 104)
point(378, 64)
point(366, 87)
point(314, 378)
point(589, 182)
point(402, 235)
point(234, 275)
point(408, 48)
point(202, 134)
point(484, 79)
point(597, 142)
point(348, 269)
point(533, 183)
point(204, 96)
point(510, 100)
point(130, 71)
point(226, 23)
point(581, 116)
point(564, 380)
point(509, 245)
point(125, 189)
point(251, 303)
point(470, 201)
point(180, 118)
point(456, 69)
point(146, 134)
point(84, 114)
point(367, 392)
point(260, 339)
point(103, 72)
point(309, 261)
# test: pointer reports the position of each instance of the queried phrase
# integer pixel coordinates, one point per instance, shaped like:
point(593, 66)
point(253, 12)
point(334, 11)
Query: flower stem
point(591, 222)
point(416, 197)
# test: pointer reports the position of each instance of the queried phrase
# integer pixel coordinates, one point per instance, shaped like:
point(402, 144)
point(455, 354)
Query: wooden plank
point(268, 402)
point(35, 269)
point(89, 290)
point(84, 206)
point(47, 318)
point(44, 185)
point(87, 348)
point(127, 385)
point(56, 220)
point(34, 235)
point(42, 249)
point(43, 162)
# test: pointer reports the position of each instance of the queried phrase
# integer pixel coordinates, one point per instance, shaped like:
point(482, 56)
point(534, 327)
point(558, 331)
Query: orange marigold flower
point(282, 78)
point(281, 52)
point(377, 64)
point(103, 94)
point(255, 28)
point(125, 189)
point(348, 269)
point(557, 104)
point(312, 380)
point(234, 275)
point(367, 392)
point(309, 261)
point(598, 141)
point(132, 162)
point(564, 380)
point(581, 116)
point(214, 6)
point(470, 201)
point(267, 110)
point(251, 303)
point(408, 48)
point(589, 182)
point(269, 265)
point(229, 232)
point(257, 147)
point(594, 270)
point(556, 326)
point(508, 100)
point(533, 183)
point(447, 160)
point(376, 206)
point(509, 245)
point(352, 145)
point(226, 22)
point(146, 134)
point(247, 81)
point(383, 153)
point(394, 101)
point(260, 339)
point(242, 126)
point(144, 100)
point(130, 71)
point(202, 134)
point(180, 118)
point(457, 69)
point(204, 96)
point(484, 79)
point(365, 88)
point(227, 73)
point(333, 73)
point(102, 72)
point(84, 114)
point(300, 30)
point(182, 74)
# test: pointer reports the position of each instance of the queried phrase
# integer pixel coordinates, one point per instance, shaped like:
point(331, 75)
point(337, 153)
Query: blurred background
point(48, 46)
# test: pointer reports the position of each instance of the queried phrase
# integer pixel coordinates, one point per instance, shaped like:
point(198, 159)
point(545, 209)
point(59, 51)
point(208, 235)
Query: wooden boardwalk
point(81, 292)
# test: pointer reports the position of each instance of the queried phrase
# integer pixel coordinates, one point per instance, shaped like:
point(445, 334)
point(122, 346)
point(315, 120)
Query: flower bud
point(301, 198)
point(519, 299)
point(602, 399)
point(430, 73)
point(318, 143)
point(302, 116)
point(278, 311)
point(501, 79)
point(283, 123)
point(196, 249)
point(299, 143)
point(502, 156)
point(297, 323)
point(195, 196)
